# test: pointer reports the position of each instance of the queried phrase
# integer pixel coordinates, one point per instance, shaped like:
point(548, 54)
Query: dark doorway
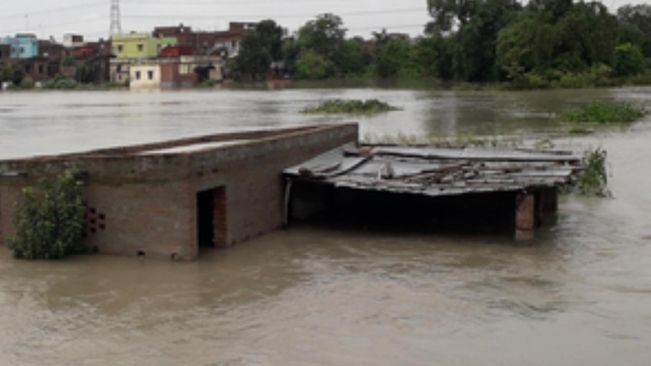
point(211, 218)
point(203, 73)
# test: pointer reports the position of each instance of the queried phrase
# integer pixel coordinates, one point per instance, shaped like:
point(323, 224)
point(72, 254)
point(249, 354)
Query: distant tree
point(392, 54)
point(584, 36)
point(353, 57)
point(636, 22)
point(324, 35)
point(258, 50)
point(474, 52)
point(629, 60)
point(516, 47)
point(291, 51)
point(12, 73)
point(87, 72)
point(448, 14)
point(427, 56)
point(313, 66)
point(554, 8)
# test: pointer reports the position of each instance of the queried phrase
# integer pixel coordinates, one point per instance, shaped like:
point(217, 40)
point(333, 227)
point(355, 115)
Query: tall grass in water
point(593, 180)
point(603, 113)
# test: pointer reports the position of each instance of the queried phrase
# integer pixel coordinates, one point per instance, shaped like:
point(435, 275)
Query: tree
point(12, 73)
point(583, 37)
point(50, 220)
point(515, 47)
point(353, 57)
point(629, 60)
point(429, 55)
point(392, 53)
point(312, 65)
point(586, 35)
point(474, 55)
point(448, 14)
point(259, 49)
point(555, 8)
point(636, 21)
point(87, 72)
point(323, 35)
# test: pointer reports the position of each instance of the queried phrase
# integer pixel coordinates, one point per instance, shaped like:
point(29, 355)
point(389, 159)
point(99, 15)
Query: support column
point(525, 216)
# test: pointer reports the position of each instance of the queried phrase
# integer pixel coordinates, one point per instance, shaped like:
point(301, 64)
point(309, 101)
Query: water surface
point(331, 296)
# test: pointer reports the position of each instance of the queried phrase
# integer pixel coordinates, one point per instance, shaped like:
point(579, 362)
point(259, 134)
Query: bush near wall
point(50, 222)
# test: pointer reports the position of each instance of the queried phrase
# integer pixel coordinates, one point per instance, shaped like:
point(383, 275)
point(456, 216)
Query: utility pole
point(116, 24)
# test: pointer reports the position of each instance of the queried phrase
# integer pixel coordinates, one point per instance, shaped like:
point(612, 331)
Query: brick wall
point(142, 204)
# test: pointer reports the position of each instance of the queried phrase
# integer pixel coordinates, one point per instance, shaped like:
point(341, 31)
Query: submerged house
point(166, 200)
point(174, 72)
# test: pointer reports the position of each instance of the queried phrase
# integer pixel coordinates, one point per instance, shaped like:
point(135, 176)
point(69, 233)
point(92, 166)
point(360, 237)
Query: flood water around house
point(315, 295)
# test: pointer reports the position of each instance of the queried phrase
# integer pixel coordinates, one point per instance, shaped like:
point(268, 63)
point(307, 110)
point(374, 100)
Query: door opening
point(211, 218)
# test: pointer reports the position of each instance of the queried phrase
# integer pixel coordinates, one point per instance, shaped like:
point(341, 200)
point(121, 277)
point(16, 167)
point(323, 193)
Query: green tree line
point(546, 42)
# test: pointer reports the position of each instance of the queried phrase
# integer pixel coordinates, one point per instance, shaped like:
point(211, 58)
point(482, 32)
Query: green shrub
point(603, 113)
point(50, 221)
point(629, 60)
point(207, 84)
point(312, 66)
point(351, 107)
point(598, 75)
point(535, 81)
point(61, 83)
point(593, 181)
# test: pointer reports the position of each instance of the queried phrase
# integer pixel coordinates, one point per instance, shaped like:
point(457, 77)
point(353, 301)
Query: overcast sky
point(91, 17)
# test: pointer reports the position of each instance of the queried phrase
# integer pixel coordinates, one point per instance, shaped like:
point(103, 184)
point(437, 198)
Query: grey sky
point(91, 17)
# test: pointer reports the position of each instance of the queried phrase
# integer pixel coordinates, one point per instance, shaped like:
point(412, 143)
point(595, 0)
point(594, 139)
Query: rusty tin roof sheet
point(432, 171)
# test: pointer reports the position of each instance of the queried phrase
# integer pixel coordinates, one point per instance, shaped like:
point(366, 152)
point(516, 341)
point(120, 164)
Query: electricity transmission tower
point(116, 26)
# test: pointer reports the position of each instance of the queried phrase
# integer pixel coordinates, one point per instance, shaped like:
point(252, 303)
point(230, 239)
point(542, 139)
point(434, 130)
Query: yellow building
point(135, 45)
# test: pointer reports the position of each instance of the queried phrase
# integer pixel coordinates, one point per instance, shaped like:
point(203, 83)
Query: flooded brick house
point(166, 200)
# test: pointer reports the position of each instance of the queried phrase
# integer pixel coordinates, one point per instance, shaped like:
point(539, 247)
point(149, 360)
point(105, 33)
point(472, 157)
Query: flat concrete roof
point(180, 147)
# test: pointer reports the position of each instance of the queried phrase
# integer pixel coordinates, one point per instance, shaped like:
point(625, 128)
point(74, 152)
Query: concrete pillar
point(525, 216)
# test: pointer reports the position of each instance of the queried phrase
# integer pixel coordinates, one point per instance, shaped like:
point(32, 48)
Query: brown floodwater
point(327, 295)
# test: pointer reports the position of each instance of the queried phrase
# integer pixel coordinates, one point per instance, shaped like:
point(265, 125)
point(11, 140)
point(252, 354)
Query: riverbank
point(570, 82)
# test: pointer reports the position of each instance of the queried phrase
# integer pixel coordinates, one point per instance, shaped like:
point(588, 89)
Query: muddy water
point(332, 296)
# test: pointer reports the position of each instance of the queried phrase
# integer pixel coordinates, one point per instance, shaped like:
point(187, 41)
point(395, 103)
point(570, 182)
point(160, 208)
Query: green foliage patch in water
point(593, 181)
point(50, 221)
point(604, 113)
point(372, 106)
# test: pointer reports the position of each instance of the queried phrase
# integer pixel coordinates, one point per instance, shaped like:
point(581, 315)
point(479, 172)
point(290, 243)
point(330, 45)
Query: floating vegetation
point(593, 181)
point(372, 106)
point(604, 113)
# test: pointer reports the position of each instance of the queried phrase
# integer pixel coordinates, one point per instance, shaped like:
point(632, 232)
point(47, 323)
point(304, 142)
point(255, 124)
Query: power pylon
point(116, 24)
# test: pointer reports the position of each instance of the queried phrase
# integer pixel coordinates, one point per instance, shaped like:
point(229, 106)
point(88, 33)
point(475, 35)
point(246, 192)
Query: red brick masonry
point(142, 199)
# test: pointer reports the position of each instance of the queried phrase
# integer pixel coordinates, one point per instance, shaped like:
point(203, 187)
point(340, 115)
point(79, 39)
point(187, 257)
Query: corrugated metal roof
point(432, 171)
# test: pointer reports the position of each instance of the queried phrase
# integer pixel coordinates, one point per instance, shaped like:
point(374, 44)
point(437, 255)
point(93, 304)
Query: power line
point(267, 16)
point(56, 25)
point(59, 9)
